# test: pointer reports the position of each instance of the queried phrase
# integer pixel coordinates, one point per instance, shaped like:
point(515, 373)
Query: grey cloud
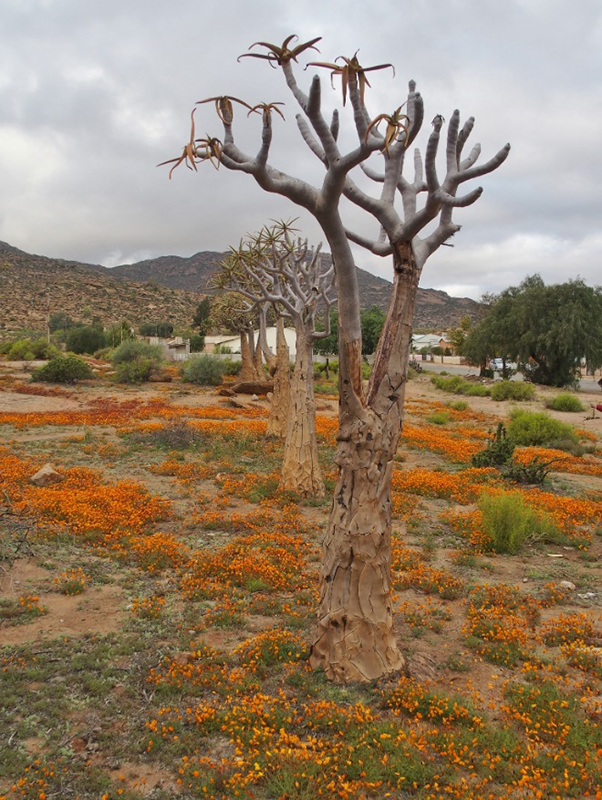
point(94, 95)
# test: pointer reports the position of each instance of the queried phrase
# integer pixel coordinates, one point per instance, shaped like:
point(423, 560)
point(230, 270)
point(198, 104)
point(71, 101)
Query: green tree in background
point(371, 321)
point(86, 339)
point(547, 329)
point(162, 329)
point(201, 316)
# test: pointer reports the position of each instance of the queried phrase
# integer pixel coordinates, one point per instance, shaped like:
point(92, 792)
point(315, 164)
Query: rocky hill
point(32, 287)
point(434, 308)
point(161, 289)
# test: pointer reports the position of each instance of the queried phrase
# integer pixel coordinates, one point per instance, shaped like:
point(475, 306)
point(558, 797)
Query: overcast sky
point(93, 95)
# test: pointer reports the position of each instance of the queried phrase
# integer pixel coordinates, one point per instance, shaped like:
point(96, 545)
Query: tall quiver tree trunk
point(301, 468)
point(248, 370)
point(277, 420)
point(355, 640)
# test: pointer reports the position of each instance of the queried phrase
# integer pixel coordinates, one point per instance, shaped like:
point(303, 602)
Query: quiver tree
point(354, 639)
point(232, 312)
point(274, 268)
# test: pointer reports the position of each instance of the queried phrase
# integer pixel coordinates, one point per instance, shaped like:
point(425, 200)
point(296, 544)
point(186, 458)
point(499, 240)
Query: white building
point(232, 342)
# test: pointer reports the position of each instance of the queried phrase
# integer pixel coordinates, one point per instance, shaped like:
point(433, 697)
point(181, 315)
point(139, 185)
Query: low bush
point(63, 369)
point(26, 349)
point(231, 367)
point(453, 383)
point(135, 361)
point(565, 402)
point(457, 385)
point(438, 418)
point(512, 390)
point(475, 389)
point(510, 522)
point(532, 428)
point(458, 405)
point(204, 370)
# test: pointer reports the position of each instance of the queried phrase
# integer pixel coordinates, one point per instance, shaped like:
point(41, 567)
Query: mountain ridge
point(166, 288)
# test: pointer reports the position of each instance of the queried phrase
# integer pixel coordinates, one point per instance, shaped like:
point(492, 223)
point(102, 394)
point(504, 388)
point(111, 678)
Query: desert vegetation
point(165, 588)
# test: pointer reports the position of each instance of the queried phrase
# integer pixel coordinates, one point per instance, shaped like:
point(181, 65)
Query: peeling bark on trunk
point(247, 369)
point(258, 362)
point(277, 421)
point(355, 640)
point(300, 468)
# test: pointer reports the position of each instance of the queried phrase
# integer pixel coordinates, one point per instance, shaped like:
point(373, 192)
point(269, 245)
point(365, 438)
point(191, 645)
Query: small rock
point(254, 397)
point(587, 596)
point(46, 476)
point(567, 585)
point(555, 555)
point(525, 580)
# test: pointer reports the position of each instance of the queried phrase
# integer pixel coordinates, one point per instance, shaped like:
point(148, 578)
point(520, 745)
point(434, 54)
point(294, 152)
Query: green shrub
point(512, 390)
point(135, 361)
point(137, 371)
point(231, 367)
point(438, 418)
point(538, 428)
point(510, 522)
point(457, 385)
point(453, 383)
point(458, 405)
point(21, 350)
point(63, 369)
point(565, 402)
point(475, 389)
point(205, 370)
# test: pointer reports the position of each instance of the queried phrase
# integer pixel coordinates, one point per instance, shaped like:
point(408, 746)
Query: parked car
point(497, 364)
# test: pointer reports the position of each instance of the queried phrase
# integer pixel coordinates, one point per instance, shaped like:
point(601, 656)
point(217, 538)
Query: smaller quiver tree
point(273, 267)
point(232, 312)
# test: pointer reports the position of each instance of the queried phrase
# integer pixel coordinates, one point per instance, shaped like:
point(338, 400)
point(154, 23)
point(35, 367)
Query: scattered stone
point(232, 403)
point(567, 585)
point(255, 398)
point(253, 387)
point(46, 476)
point(224, 391)
point(555, 555)
point(421, 666)
point(525, 580)
point(587, 596)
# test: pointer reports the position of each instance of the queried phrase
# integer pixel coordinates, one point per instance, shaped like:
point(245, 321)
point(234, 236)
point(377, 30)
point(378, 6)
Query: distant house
point(176, 349)
point(427, 341)
point(232, 342)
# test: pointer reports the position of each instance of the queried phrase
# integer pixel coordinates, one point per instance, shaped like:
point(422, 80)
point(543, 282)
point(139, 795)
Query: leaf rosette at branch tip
point(351, 66)
point(197, 150)
point(224, 107)
point(397, 124)
point(283, 54)
point(266, 110)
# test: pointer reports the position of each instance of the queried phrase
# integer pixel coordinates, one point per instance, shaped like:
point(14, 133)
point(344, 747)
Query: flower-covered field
point(157, 603)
